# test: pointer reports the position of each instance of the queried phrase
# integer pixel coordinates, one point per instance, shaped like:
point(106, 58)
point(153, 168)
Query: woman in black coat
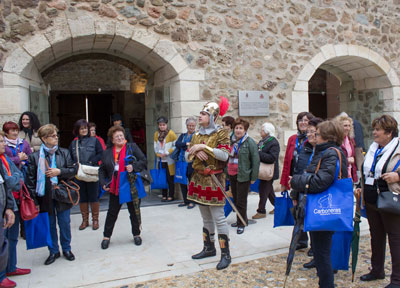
point(268, 149)
point(90, 152)
point(40, 188)
point(329, 134)
point(112, 163)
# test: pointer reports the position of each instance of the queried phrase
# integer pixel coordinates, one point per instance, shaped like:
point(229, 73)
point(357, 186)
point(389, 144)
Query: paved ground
point(170, 236)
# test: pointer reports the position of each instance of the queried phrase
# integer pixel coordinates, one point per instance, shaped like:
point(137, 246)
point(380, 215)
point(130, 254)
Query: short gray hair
point(191, 119)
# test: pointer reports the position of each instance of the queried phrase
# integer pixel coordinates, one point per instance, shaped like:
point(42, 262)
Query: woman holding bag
point(329, 135)
point(182, 144)
point(380, 174)
point(112, 164)
point(268, 150)
point(86, 150)
point(40, 181)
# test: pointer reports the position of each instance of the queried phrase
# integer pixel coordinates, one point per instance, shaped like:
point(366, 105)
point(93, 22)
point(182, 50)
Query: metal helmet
point(212, 109)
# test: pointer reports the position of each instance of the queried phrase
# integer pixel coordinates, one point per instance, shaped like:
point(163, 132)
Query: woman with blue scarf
point(182, 144)
point(39, 183)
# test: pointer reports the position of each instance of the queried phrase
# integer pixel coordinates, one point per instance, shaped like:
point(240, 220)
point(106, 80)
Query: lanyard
point(309, 159)
point(15, 150)
point(299, 146)
point(185, 138)
point(240, 143)
point(259, 149)
point(397, 166)
point(377, 152)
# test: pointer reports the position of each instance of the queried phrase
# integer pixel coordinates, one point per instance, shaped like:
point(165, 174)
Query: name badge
point(370, 181)
point(236, 160)
point(116, 167)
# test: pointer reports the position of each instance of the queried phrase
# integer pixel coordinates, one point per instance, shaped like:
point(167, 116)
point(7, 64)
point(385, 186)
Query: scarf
point(347, 146)
point(41, 177)
point(236, 143)
point(162, 135)
point(370, 157)
point(6, 164)
point(114, 187)
point(29, 132)
point(12, 143)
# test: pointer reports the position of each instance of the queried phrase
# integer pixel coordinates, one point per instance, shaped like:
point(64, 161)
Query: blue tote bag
point(159, 177)
point(181, 171)
point(340, 250)
point(37, 232)
point(255, 186)
point(283, 216)
point(125, 187)
point(331, 210)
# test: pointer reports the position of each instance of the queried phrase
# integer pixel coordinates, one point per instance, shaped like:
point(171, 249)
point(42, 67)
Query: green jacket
point(249, 161)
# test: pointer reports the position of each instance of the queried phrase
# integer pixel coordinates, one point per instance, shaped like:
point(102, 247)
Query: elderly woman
point(348, 145)
point(112, 164)
point(268, 150)
point(29, 124)
point(379, 176)
point(244, 154)
point(41, 176)
point(164, 143)
point(11, 176)
point(182, 144)
point(17, 149)
point(329, 135)
point(89, 151)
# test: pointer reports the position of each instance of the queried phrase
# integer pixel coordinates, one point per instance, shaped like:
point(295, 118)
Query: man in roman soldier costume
point(209, 150)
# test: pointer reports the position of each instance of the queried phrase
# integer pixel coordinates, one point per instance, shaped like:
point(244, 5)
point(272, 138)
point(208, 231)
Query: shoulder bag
point(266, 171)
point(389, 201)
point(86, 173)
point(27, 208)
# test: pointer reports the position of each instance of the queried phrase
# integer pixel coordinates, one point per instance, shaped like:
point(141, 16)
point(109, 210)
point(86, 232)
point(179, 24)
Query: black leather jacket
point(321, 180)
point(108, 162)
point(68, 170)
point(270, 154)
point(90, 150)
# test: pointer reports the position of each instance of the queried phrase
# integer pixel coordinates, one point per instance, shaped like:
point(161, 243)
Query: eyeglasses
point(317, 134)
point(53, 136)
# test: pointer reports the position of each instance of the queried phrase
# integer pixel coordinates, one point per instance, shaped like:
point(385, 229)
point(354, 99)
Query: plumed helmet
point(212, 109)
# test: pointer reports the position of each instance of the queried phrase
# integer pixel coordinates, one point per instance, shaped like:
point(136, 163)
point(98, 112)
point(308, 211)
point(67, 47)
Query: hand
point(22, 156)
point(294, 202)
point(106, 188)
point(9, 218)
point(38, 208)
point(196, 148)
point(252, 182)
point(162, 155)
point(357, 191)
point(284, 188)
point(391, 177)
point(53, 172)
point(129, 168)
point(202, 156)
point(350, 160)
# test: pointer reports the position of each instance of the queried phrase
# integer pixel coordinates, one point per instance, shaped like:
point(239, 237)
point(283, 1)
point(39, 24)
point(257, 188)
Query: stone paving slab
point(170, 236)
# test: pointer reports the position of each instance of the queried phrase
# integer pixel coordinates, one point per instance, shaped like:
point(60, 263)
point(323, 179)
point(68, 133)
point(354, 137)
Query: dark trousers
point(380, 225)
point(322, 243)
point(240, 191)
point(89, 191)
point(112, 215)
point(170, 192)
point(266, 191)
point(184, 188)
point(303, 238)
point(63, 219)
point(12, 234)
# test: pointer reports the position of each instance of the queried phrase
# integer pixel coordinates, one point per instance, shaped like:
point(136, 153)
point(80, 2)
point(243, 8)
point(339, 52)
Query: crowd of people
point(222, 161)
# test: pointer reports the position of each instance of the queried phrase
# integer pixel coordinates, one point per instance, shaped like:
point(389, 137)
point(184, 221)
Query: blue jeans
point(64, 223)
point(12, 235)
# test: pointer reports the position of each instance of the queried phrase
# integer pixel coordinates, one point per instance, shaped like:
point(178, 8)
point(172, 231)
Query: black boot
point(225, 254)
point(209, 247)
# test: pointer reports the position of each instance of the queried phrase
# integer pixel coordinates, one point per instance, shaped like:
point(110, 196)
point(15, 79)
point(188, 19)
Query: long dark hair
point(78, 124)
point(33, 120)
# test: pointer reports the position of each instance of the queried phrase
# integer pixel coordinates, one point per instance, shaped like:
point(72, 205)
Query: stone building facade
point(193, 51)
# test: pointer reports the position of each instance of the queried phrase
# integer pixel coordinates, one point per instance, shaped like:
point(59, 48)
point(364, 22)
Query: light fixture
point(138, 83)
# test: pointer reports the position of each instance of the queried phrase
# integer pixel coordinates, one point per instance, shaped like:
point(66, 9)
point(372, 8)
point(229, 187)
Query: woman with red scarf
point(112, 164)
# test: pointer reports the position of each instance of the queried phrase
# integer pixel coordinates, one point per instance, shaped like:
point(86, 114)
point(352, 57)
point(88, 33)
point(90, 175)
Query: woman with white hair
point(268, 149)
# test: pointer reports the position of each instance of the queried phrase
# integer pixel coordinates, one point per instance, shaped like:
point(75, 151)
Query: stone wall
point(241, 44)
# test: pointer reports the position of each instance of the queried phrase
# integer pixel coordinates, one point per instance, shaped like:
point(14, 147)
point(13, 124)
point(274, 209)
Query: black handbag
point(389, 202)
point(66, 192)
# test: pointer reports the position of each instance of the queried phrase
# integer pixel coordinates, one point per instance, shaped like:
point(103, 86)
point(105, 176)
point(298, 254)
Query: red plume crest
point(223, 106)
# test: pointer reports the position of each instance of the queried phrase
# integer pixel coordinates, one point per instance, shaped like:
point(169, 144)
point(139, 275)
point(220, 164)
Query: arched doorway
point(353, 79)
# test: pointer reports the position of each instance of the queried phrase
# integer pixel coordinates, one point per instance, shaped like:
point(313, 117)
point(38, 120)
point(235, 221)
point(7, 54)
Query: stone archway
point(358, 68)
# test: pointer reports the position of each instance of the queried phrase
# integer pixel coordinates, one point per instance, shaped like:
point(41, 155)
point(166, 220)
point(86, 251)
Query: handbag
point(27, 208)
point(175, 154)
point(86, 173)
point(389, 201)
point(37, 232)
point(331, 210)
point(144, 174)
point(282, 215)
point(125, 191)
point(266, 171)
point(66, 192)
point(340, 250)
point(159, 177)
point(181, 171)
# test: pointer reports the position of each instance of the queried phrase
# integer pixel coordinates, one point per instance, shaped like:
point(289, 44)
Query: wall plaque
point(253, 103)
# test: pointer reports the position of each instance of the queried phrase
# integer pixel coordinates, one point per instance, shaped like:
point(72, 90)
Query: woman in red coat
point(294, 146)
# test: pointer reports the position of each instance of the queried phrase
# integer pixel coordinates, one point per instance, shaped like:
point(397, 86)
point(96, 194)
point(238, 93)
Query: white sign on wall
point(253, 103)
